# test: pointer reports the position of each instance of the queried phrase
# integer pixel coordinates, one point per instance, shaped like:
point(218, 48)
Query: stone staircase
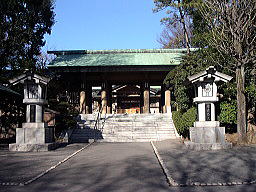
point(124, 128)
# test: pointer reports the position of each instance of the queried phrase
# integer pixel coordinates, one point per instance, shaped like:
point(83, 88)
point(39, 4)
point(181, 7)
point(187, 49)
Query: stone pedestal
point(33, 137)
point(207, 146)
point(207, 135)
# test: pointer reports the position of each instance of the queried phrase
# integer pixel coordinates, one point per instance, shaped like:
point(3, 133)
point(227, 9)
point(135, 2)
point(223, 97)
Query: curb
point(170, 180)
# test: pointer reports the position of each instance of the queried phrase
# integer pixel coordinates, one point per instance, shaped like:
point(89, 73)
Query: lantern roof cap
point(29, 75)
point(210, 72)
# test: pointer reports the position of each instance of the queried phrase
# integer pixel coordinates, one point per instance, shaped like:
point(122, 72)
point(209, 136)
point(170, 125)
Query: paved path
point(115, 167)
point(19, 167)
point(105, 167)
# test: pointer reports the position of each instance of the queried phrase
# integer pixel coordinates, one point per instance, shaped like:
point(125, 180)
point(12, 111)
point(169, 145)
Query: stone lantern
point(207, 133)
point(34, 135)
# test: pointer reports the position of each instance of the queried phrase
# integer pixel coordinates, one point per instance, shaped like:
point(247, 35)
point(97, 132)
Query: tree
point(173, 36)
point(178, 13)
point(42, 61)
point(232, 24)
point(177, 81)
point(23, 24)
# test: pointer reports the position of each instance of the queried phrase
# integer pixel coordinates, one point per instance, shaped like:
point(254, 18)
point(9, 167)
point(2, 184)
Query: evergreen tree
point(23, 24)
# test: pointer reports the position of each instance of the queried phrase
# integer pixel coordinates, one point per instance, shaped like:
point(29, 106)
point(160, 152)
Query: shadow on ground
point(19, 167)
point(232, 165)
point(107, 167)
point(131, 167)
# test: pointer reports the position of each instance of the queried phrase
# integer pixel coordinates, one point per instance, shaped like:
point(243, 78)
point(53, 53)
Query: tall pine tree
point(23, 24)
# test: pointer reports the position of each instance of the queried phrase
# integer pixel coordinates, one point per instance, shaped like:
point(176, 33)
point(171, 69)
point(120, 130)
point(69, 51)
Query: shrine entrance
point(128, 99)
point(126, 81)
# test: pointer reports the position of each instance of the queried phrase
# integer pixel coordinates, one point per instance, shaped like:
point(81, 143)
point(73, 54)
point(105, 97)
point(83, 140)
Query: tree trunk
point(241, 104)
point(182, 20)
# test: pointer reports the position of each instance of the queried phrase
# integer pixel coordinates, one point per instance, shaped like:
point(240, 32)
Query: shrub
point(176, 117)
point(228, 115)
point(66, 119)
point(183, 121)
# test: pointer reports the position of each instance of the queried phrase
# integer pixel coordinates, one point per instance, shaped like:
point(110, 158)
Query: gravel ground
point(220, 166)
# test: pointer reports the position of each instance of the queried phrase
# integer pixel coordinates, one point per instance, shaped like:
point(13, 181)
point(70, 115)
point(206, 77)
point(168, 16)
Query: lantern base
point(33, 147)
point(34, 133)
point(34, 137)
point(207, 134)
point(207, 138)
point(207, 146)
point(206, 124)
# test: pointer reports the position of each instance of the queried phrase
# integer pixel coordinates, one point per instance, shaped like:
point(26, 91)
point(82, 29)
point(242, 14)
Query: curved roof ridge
point(118, 51)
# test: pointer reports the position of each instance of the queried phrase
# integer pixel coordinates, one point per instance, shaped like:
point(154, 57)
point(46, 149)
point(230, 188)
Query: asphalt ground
point(20, 167)
point(128, 167)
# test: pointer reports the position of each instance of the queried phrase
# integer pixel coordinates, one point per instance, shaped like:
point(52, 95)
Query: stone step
point(131, 128)
point(129, 119)
point(104, 135)
point(133, 140)
point(125, 127)
point(137, 134)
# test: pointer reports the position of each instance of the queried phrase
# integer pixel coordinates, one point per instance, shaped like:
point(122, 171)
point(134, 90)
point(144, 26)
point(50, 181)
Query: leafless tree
point(233, 32)
point(43, 60)
point(173, 35)
point(177, 14)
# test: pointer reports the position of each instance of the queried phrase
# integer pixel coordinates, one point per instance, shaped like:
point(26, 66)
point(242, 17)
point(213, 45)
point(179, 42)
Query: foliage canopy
point(23, 24)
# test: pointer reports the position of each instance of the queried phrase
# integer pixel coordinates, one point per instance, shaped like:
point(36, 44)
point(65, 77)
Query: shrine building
point(117, 81)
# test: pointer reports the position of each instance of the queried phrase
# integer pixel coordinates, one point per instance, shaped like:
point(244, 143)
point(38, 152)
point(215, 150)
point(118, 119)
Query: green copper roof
point(8, 90)
point(124, 57)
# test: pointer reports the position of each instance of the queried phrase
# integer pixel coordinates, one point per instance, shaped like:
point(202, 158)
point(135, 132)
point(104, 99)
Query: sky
point(104, 24)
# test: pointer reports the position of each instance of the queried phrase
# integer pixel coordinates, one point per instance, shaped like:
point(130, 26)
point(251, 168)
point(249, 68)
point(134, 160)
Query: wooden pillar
point(104, 98)
point(85, 98)
point(82, 102)
point(162, 100)
point(167, 97)
point(141, 98)
point(109, 98)
point(88, 99)
point(82, 98)
point(146, 98)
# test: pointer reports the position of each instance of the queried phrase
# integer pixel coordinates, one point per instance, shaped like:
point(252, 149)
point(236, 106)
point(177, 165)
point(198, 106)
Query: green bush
point(176, 117)
point(228, 115)
point(251, 98)
point(66, 119)
point(183, 121)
